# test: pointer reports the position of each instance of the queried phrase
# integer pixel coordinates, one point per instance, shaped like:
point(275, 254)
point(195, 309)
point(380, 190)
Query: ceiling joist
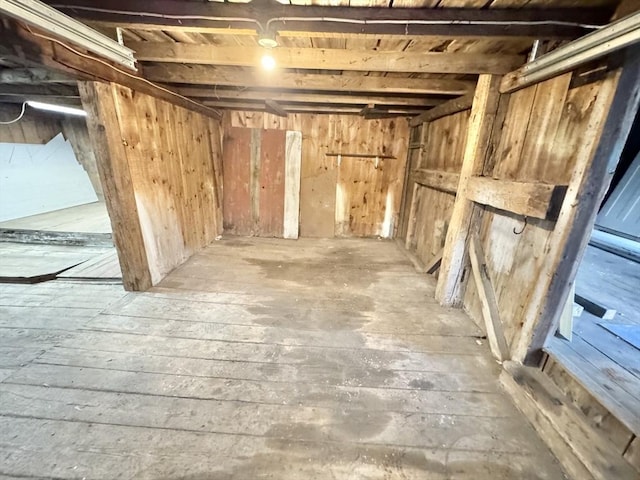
point(59, 57)
point(234, 77)
point(328, 59)
point(302, 108)
point(34, 76)
point(327, 97)
point(238, 18)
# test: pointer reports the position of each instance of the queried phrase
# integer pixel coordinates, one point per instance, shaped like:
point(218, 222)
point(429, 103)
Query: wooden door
point(261, 182)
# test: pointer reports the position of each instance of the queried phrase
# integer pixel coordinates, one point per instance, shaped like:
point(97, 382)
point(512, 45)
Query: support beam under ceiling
point(34, 76)
point(306, 97)
point(293, 20)
point(237, 77)
point(328, 59)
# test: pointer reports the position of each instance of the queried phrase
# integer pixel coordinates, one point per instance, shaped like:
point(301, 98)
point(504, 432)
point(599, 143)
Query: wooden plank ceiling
point(395, 68)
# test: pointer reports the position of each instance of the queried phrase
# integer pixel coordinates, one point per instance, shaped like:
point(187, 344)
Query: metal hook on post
point(523, 227)
point(339, 159)
point(377, 161)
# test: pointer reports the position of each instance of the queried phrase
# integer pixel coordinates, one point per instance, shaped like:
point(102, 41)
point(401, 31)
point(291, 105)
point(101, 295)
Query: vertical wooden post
point(452, 278)
point(596, 161)
point(113, 168)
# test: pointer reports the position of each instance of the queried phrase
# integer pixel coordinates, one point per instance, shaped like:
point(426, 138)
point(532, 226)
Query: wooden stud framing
point(450, 286)
point(596, 161)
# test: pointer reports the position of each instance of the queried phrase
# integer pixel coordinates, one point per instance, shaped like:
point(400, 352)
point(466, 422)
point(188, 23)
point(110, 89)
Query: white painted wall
point(41, 178)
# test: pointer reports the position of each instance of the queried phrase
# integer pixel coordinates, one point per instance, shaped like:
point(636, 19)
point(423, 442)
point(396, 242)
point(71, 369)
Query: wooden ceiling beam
point(279, 96)
point(235, 77)
point(34, 76)
point(295, 108)
point(25, 91)
point(275, 108)
point(451, 107)
point(58, 57)
point(55, 99)
point(214, 17)
point(327, 59)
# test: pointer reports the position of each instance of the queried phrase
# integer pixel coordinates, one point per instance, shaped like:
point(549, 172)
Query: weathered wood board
point(293, 158)
point(236, 181)
point(333, 134)
point(271, 181)
point(159, 171)
point(248, 349)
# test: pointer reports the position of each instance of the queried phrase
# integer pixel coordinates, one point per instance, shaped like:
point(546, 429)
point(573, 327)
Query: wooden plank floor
point(606, 365)
point(89, 218)
point(314, 359)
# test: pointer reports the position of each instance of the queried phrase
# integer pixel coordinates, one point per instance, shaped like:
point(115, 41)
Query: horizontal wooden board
point(536, 200)
point(327, 59)
point(444, 181)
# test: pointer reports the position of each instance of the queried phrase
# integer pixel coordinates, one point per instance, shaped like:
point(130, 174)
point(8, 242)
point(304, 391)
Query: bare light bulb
point(268, 62)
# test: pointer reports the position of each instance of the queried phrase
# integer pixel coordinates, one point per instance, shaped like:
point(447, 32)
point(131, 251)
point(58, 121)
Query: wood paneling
point(272, 160)
point(533, 148)
point(323, 134)
point(75, 131)
point(441, 148)
point(32, 128)
point(236, 170)
point(156, 162)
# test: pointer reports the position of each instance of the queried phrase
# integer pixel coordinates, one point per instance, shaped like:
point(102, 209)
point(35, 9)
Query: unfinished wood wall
point(545, 127)
point(37, 129)
point(430, 198)
point(368, 198)
point(160, 165)
point(40, 128)
point(622, 439)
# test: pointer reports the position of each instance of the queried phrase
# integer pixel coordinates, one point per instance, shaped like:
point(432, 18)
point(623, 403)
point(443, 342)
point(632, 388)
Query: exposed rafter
point(232, 76)
point(449, 108)
point(305, 108)
point(301, 96)
point(223, 18)
point(274, 107)
point(60, 57)
point(328, 59)
point(33, 76)
point(28, 90)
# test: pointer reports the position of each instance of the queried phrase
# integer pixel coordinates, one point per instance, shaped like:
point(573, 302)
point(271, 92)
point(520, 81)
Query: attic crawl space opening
point(350, 234)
